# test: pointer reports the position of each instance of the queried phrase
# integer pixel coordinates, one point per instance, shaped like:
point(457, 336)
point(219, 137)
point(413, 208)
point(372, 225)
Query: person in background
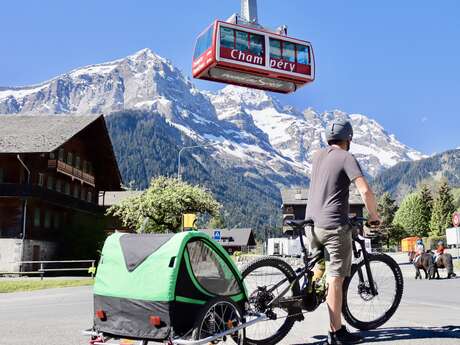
point(419, 249)
point(439, 251)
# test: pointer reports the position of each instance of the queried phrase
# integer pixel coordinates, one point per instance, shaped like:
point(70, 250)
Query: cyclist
point(334, 169)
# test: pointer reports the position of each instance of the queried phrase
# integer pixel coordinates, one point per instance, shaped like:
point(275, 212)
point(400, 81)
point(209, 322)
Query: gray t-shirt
point(333, 171)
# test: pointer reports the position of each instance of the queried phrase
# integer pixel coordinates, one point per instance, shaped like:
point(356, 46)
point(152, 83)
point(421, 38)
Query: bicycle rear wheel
point(260, 277)
point(360, 308)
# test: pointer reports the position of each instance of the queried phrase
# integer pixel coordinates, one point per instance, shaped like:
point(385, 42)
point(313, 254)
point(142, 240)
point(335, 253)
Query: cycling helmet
point(419, 241)
point(339, 130)
point(441, 243)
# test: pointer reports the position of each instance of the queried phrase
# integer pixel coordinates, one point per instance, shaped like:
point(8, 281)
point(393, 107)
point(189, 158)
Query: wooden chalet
point(52, 169)
point(234, 239)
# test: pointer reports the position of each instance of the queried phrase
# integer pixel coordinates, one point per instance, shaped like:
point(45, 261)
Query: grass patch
point(29, 285)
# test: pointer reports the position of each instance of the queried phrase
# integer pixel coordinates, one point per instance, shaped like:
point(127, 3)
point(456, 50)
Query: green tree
point(387, 209)
point(161, 206)
point(443, 208)
point(427, 203)
point(410, 216)
point(456, 195)
point(217, 222)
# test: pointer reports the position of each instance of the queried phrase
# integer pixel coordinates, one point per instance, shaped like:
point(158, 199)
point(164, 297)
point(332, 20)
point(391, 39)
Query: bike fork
point(367, 266)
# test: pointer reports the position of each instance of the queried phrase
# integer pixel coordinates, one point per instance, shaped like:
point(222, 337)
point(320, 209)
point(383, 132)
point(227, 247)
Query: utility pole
point(179, 175)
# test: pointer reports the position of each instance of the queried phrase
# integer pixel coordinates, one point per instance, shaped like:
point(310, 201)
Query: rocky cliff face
point(255, 132)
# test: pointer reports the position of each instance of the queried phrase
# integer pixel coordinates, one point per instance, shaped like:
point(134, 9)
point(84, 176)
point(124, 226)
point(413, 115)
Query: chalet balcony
point(69, 170)
point(23, 191)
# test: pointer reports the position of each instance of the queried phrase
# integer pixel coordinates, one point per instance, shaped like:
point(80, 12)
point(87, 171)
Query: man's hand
point(374, 221)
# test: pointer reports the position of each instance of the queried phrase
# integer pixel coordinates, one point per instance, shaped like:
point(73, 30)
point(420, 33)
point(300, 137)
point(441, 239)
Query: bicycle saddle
point(300, 223)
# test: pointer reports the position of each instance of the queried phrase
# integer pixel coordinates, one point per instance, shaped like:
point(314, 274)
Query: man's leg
point(338, 243)
point(334, 302)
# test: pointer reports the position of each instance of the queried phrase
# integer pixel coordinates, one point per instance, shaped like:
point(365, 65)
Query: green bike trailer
point(150, 286)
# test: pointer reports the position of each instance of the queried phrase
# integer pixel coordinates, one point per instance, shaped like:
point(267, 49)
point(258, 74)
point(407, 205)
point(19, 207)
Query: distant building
point(234, 239)
point(295, 204)
point(110, 198)
point(52, 169)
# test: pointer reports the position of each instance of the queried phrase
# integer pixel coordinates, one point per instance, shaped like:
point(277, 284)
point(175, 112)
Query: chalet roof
point(39, 134)
point(238, 237)
point(294, 196)
point(299, 196)
point(110, 198)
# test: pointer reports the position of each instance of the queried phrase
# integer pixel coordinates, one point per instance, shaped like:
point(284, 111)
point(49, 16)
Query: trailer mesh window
point(211, 271)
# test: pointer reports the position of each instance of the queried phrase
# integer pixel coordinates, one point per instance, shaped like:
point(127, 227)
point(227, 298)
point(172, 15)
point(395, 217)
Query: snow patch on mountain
point(255, 132)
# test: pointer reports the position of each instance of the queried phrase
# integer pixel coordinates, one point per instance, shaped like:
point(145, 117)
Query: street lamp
point(179, 176)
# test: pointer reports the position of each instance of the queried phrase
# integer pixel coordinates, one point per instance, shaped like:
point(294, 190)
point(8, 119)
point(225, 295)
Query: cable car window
point(303, 56)
point(203, 42)
point(275, 49)
point(257, 44)
point(227, 38)
point(242, 41)
point(289, 51)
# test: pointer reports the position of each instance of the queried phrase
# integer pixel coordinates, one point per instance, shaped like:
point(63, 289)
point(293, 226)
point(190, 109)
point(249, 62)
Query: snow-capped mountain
point(255, 132)
point(298, 134)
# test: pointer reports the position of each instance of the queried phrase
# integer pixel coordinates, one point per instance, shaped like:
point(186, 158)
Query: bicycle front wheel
point(361, 309)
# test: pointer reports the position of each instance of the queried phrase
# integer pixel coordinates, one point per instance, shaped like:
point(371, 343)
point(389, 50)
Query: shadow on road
point(402, 333)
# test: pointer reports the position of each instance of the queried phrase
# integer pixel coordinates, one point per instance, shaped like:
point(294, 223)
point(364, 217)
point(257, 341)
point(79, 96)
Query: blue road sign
point(216, 235)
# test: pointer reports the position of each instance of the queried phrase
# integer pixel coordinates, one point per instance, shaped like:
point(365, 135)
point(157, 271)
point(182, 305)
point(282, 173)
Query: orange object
point(155, 321)
point(408, 244)
point(100, 314)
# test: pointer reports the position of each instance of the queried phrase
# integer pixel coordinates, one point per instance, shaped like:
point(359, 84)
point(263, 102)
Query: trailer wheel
point(219, 315)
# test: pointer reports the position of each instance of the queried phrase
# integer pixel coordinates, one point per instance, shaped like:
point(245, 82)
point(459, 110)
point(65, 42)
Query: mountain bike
point(371, 295)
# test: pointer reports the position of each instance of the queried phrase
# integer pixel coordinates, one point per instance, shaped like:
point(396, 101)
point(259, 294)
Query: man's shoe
point(343, 337)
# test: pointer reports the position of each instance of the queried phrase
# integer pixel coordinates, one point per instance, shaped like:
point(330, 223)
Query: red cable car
point(251, 56)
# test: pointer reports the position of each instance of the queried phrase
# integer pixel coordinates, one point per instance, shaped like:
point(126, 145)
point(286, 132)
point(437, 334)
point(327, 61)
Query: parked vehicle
point(408, 246)
point(284, 246)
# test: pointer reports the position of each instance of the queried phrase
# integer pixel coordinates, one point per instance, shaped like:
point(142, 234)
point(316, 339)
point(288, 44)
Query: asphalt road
point(429, 314)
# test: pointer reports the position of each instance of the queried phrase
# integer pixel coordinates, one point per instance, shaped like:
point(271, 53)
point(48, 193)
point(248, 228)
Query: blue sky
point(395, 61)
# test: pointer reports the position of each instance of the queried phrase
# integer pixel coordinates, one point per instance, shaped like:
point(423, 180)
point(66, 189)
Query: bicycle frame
point(310, 262)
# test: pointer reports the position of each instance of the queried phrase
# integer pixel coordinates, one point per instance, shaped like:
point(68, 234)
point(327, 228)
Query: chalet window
point(69, 158)
point(47, 219)
point(90, 168)
point(37, 214)
point(89, 196)
point(67, 188)
point(41, 179)
point(56, 221)
point(77, 162)
point(2, 175)
point(61, 155)
point(76, 191)
point(52, 156)
point(58, 185)
point(50, 182)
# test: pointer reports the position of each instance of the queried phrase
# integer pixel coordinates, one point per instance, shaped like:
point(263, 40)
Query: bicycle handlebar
point(364, 221)
point(299, 224)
